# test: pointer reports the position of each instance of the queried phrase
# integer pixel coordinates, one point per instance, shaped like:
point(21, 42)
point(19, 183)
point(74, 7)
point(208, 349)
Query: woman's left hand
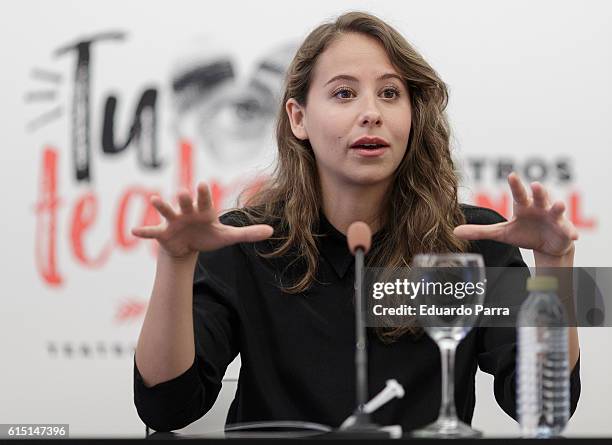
point(536, 224)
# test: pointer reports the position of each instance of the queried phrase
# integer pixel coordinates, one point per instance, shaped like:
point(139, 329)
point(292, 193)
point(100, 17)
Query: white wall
point(527, 79)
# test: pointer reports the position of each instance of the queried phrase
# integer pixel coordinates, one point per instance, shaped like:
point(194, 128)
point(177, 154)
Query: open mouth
point(369, 146)
point(368, 143)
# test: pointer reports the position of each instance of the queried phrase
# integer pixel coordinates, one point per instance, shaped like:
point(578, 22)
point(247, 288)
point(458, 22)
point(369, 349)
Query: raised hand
point(196, 227)
point(536, 223)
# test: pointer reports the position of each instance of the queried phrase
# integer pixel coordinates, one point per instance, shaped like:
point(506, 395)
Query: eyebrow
point(354, 79)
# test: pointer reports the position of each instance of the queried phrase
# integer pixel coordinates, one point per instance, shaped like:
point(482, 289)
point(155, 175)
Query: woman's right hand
point(196, 227)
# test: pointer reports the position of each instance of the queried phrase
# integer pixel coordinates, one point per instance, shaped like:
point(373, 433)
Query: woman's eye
point(390, 93)
point(343, 93)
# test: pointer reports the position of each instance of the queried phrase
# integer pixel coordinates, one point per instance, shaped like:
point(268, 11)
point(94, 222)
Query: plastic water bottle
point(543, 361)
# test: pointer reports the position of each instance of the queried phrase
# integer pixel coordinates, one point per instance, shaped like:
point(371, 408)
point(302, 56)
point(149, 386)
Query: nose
point(370, 116)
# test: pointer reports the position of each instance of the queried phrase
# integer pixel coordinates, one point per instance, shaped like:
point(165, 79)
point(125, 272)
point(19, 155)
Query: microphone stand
point(362, 419)
point(363, 426)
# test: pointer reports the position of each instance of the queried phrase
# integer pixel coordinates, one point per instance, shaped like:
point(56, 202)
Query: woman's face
point(357, 114)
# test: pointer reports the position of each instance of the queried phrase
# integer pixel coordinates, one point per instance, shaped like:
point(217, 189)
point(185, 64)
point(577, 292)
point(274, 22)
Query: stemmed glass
point(447, 329)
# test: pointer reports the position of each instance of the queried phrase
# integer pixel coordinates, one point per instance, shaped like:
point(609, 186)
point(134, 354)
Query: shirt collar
point(333, 246)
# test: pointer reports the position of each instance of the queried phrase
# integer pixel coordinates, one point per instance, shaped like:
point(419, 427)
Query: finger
point(147, 231)
point(204, 199)
point(496, 232)
point(185, 202)
point(540, 195)
point(519, 192)
point(250, 234)
point(163, 208)
point(557, 209)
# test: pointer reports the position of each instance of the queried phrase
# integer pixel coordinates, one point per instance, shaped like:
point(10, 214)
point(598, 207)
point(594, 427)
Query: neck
point(345, 204)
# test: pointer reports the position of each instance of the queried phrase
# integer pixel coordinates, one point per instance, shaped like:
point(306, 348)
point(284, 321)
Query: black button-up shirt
point(297, 350)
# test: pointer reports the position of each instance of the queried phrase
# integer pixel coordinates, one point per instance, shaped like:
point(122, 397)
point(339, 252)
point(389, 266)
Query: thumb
point(251, 234)
point(470, 232)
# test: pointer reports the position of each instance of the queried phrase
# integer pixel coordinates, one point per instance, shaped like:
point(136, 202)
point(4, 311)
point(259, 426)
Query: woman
point(362, 135)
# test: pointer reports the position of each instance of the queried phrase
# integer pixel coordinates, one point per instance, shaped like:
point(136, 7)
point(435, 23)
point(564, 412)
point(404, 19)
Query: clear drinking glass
point(449, 328)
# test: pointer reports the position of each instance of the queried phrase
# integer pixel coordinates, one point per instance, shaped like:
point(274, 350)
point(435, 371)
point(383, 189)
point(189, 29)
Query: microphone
point(359, 238)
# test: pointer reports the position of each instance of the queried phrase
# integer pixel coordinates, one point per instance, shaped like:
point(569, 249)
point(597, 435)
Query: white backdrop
point(530, 90)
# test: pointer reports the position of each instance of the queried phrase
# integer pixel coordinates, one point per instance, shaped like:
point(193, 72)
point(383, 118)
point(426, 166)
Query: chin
point(370, 178)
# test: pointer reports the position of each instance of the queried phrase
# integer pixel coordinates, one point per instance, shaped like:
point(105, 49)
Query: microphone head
point(359, 236)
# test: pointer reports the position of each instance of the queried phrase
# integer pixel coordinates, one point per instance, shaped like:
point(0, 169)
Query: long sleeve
point(497, 346)
point(180, 401)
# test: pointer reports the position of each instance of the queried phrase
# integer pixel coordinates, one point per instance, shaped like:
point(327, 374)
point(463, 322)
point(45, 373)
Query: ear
point(295, 111)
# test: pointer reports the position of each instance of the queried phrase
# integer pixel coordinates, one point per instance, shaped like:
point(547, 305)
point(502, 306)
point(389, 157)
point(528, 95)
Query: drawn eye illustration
point(234, 124)
point(229, 114)
point(240, 114)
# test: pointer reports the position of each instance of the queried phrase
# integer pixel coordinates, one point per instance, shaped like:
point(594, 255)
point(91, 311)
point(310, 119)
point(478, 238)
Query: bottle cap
point(542, 283)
